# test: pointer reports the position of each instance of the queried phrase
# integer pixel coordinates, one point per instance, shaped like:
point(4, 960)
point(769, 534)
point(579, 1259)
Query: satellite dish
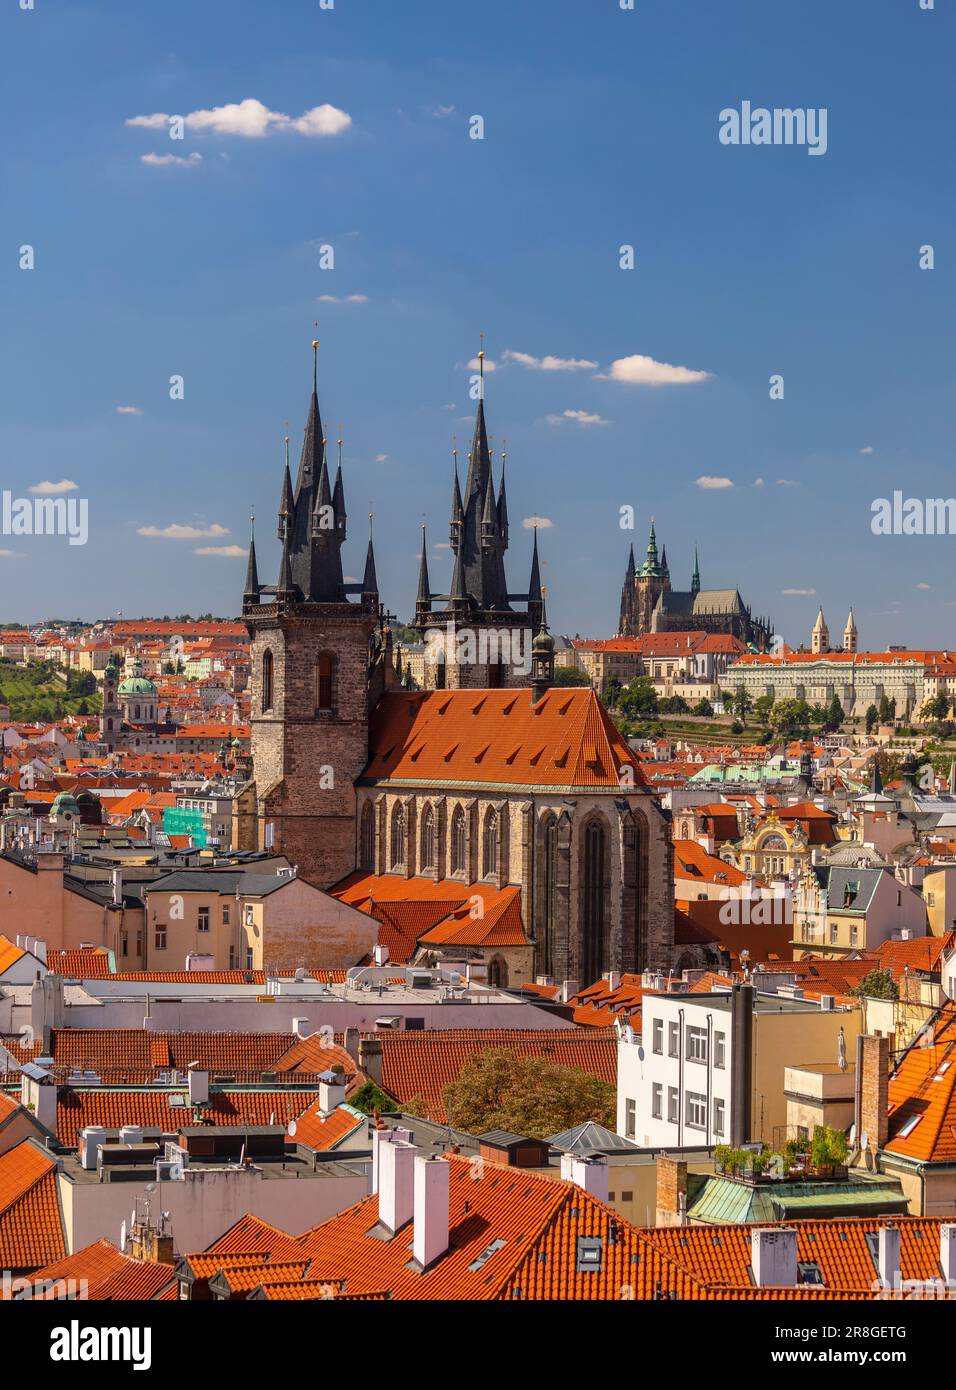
point(640, 1053)
point(292, 1129)
point(852, 1135)
point(864, 1141)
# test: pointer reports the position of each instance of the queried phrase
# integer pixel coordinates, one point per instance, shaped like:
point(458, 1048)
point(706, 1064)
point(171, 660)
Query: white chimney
point(773, 1256)
point(947, 1253)
point(569, 989)
point(131, 1134)
point(331, 1090)
point(384, 1135)
point(39, 950)
point(613, 979)
point(198, 1084)
point(117, 877)
point(889, 1257)
point(590, 1173)
point(396, 1184)
point(91, 1139)
point(301, 1027)
point(827, 1003)
point(432, 1193)
point(380, 954)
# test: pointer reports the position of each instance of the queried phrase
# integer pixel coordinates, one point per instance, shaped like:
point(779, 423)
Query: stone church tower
point(314, 651)
point(473, 637)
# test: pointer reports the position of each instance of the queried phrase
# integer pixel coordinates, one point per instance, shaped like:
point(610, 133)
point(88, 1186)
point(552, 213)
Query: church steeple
point(503, 505)
point(695, 577)
point(423, 599)
point(652, 568)
point(251, 592)
point(369, 581)
point(285, 501)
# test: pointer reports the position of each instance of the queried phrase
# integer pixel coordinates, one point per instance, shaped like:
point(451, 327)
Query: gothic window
point(428, 839)
point(398, 838)
point(489, 847)
point(594, 905)
point(367, 846)
point(266, 680)
point(323, 682)
point(548, 889)
point(459, 842)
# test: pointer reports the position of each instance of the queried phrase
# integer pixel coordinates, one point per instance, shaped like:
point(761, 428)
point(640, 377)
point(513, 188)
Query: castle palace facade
point(490, 816)
point(649, 604)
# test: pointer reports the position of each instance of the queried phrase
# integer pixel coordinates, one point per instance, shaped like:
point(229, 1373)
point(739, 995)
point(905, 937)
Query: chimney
point(588, 1173)
point(872, 1057)
point(91, 1139)
point(773, 1256)
point(569, 989)
point(40, 1095)
point(117, 877)
point(947, 1253)
point(370, 1058)
point(396, 1184)
point(432, 1194)
point(198, 1084)
point(380, 954)
point(741, 1057)
point(351, 1042)
point(889, 1256)
point(301, 1027)
point(613, 979)
point(671, 1191)
point(384, 1135)
point(331, 1089)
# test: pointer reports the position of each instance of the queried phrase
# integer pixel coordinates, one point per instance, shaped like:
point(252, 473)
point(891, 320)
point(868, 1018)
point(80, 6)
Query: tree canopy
point(531, 1096)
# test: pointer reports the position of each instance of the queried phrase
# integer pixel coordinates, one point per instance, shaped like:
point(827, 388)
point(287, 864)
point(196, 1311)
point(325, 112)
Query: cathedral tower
point(311, 647)
point(473, 637)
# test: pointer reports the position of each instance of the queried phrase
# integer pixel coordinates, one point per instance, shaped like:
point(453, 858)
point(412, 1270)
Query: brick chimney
point(671, 1191)
point(872, 1059)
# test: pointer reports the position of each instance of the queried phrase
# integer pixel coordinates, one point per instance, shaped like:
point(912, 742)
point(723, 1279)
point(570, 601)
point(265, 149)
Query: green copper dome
point(136, 685)
point(65, 804)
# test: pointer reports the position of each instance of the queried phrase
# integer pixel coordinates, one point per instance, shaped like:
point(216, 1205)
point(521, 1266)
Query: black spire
point(423, 601)
point(503, 506)
point(251, 592)
point(369, 581)
point(457, 510)
point(286, 504)
point(338, 499)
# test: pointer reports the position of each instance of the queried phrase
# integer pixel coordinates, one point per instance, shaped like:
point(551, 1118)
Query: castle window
point(489, 848)
point(323, 682)
point(266, 680)
point(398, 838)
point(428, 839)
point(459, 842)
point(367, 847)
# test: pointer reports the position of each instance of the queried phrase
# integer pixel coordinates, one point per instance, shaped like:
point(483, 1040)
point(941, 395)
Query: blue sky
point(600, 129)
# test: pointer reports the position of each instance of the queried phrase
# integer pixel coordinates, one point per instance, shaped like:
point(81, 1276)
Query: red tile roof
point(109, 1275)
point(77, 1108)
point(478, 737)
point(31, 1228)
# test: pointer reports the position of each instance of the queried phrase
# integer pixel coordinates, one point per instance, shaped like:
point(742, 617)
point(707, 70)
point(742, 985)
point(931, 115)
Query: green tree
point(369, 1098)
point(569, 675)
point(877, 984)
point(872, 718)
point(742, 703)
point(497, 1089)
point(763, 706)
point(673, 704)
point(704, 709)
point(639, 700)
point(835, 714)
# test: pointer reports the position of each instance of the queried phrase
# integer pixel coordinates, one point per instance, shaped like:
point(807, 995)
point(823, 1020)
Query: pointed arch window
point(267, 668)
point(595, 894)
point(459, 842)
point(549, 889)
point(323, 682)
point(367, 845)
point(398, 838)
point(489, 845)
point(428, 839)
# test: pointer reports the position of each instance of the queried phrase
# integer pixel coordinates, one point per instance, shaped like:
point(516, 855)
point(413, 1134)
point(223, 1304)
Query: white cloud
point(798, 593)
point(8, 554)
point(165, 161)
point(343, 299)
point(867, 449)
point(47, 489)
point(381, 458)
point(441, 545)
point(177, 532)
point(787, 482)
point(582, 417)
point(490, 366)
point(440, 111)
point(452, 406)
point(128, 410)
point(922, 586)
point(644, 371)
point(713, 484)
point(232, 551)
point(542, 523)
point(549, 363)
point(251, 120)
point(758, 482)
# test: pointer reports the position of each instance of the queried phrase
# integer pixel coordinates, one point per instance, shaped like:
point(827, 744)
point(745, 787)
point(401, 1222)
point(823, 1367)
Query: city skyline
point(644, 388)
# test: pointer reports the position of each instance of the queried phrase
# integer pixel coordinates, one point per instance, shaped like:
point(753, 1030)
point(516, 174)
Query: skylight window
point(590, 1254)
point(908, 1127)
